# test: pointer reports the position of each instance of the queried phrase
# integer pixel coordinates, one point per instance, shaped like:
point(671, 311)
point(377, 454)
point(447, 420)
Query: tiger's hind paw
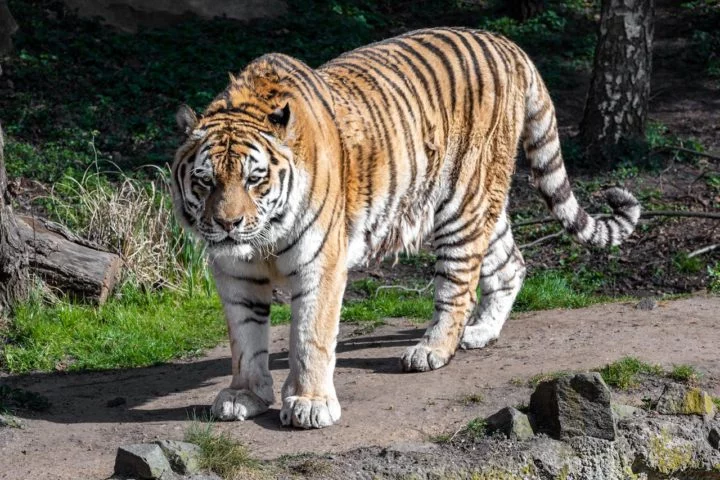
point(233, 404)
point(422, 358)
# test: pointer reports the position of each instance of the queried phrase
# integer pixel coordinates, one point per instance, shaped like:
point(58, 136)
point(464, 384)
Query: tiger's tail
point(542, 148)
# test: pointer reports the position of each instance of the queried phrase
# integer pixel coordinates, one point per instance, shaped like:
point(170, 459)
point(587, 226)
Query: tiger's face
point(233, 181)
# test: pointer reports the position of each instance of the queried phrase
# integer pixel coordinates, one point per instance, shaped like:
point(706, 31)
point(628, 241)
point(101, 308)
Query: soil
point(78, 436)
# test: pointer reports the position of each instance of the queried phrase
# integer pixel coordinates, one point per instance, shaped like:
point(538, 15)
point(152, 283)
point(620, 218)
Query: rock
point(575, 405)
point(184, 457)
point(623, 412)
point(679, 399)
point(714, 437)
point(512, 422)
point(647, 303)
point(142, 461)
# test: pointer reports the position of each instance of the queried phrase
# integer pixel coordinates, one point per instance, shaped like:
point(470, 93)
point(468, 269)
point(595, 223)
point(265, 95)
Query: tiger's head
point(235, 180)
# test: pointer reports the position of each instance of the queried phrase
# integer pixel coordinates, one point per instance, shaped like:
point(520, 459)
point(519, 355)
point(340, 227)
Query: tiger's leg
point(309, 398)
point(457, 270)
point(502, 274)
point(246, 302)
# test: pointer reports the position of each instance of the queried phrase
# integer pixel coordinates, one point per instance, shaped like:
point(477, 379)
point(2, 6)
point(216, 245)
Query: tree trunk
point(617, 102)
point(14, 276)
point(68, 263)
point(8, 26)
point(522, 10)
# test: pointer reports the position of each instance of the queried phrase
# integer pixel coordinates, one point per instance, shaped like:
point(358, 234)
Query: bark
point(14, 276)
point(525, 9)
point(8, 26)
point(67, 262)
point(617, 101)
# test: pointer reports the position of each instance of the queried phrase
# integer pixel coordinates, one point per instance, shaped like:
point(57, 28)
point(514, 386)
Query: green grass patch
point(219, 452)
point(551, 289)
point(623, 373)
point(393, 302)
point(684, 373)
point(135, 330)
point(716, 401)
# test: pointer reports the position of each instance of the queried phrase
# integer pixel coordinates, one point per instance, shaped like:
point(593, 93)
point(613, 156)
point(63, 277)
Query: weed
point(218, 451)
point(714, 278)
point(475, 429)
point(688, 265)
point(544, 377)
point(716, 401)
point(684, 373)
point(472, 399)
point(623, 373)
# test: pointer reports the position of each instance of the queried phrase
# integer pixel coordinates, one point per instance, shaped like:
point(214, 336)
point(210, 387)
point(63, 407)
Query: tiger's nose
point(229, 225)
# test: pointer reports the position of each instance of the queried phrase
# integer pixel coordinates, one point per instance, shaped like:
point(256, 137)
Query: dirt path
point(77, 437)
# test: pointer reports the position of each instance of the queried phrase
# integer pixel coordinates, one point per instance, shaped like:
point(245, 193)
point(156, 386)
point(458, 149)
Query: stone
point(141, 460)
point(184, 457)
point(647, 303)
point(572, 406)
point(511, 422)
point(623, 412)
point(678, 399)
point(714, 437)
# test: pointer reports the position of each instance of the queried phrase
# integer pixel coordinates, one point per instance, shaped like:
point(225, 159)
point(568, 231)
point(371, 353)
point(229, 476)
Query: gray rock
point(512, 422)
point(142, 460)
point(647, 303)
point(623, 412)
point(184, 457)
point(572, 406)
point(678, 399)
point(714, 437)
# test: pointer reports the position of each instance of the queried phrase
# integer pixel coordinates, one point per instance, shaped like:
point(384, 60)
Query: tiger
point(293, 175)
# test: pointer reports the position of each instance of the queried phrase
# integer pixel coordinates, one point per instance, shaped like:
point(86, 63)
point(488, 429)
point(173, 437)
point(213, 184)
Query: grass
point(219, 452)
point(623, 373)
point(471, 399)
point(684, 373)
point(143, 327)
point(544, 377)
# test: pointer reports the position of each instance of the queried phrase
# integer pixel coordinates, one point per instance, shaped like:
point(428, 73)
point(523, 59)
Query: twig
point(419, 291)
point(700, 251)
point(674, 213)
point(541, 240)
point(688, 150)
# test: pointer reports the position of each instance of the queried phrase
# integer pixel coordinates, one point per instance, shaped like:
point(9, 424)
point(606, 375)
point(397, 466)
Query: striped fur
point(293, 175)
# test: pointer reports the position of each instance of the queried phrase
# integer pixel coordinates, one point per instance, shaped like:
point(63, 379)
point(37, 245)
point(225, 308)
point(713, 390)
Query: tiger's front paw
point(422, 358)
point(233, 404)
point(309, 412)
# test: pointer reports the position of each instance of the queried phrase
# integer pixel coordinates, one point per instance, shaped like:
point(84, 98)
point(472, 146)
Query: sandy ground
point(78, 436)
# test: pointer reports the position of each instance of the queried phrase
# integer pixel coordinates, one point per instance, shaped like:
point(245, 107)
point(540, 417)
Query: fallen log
point(66, 262)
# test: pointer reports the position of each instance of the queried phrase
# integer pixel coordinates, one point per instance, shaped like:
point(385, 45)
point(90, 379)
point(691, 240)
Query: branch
point(687, 150)
point(419, 291)
point(541, 240)
point(700, 251)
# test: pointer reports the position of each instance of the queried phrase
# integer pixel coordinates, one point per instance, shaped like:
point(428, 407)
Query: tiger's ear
point(186, 119)
point(280, 116)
